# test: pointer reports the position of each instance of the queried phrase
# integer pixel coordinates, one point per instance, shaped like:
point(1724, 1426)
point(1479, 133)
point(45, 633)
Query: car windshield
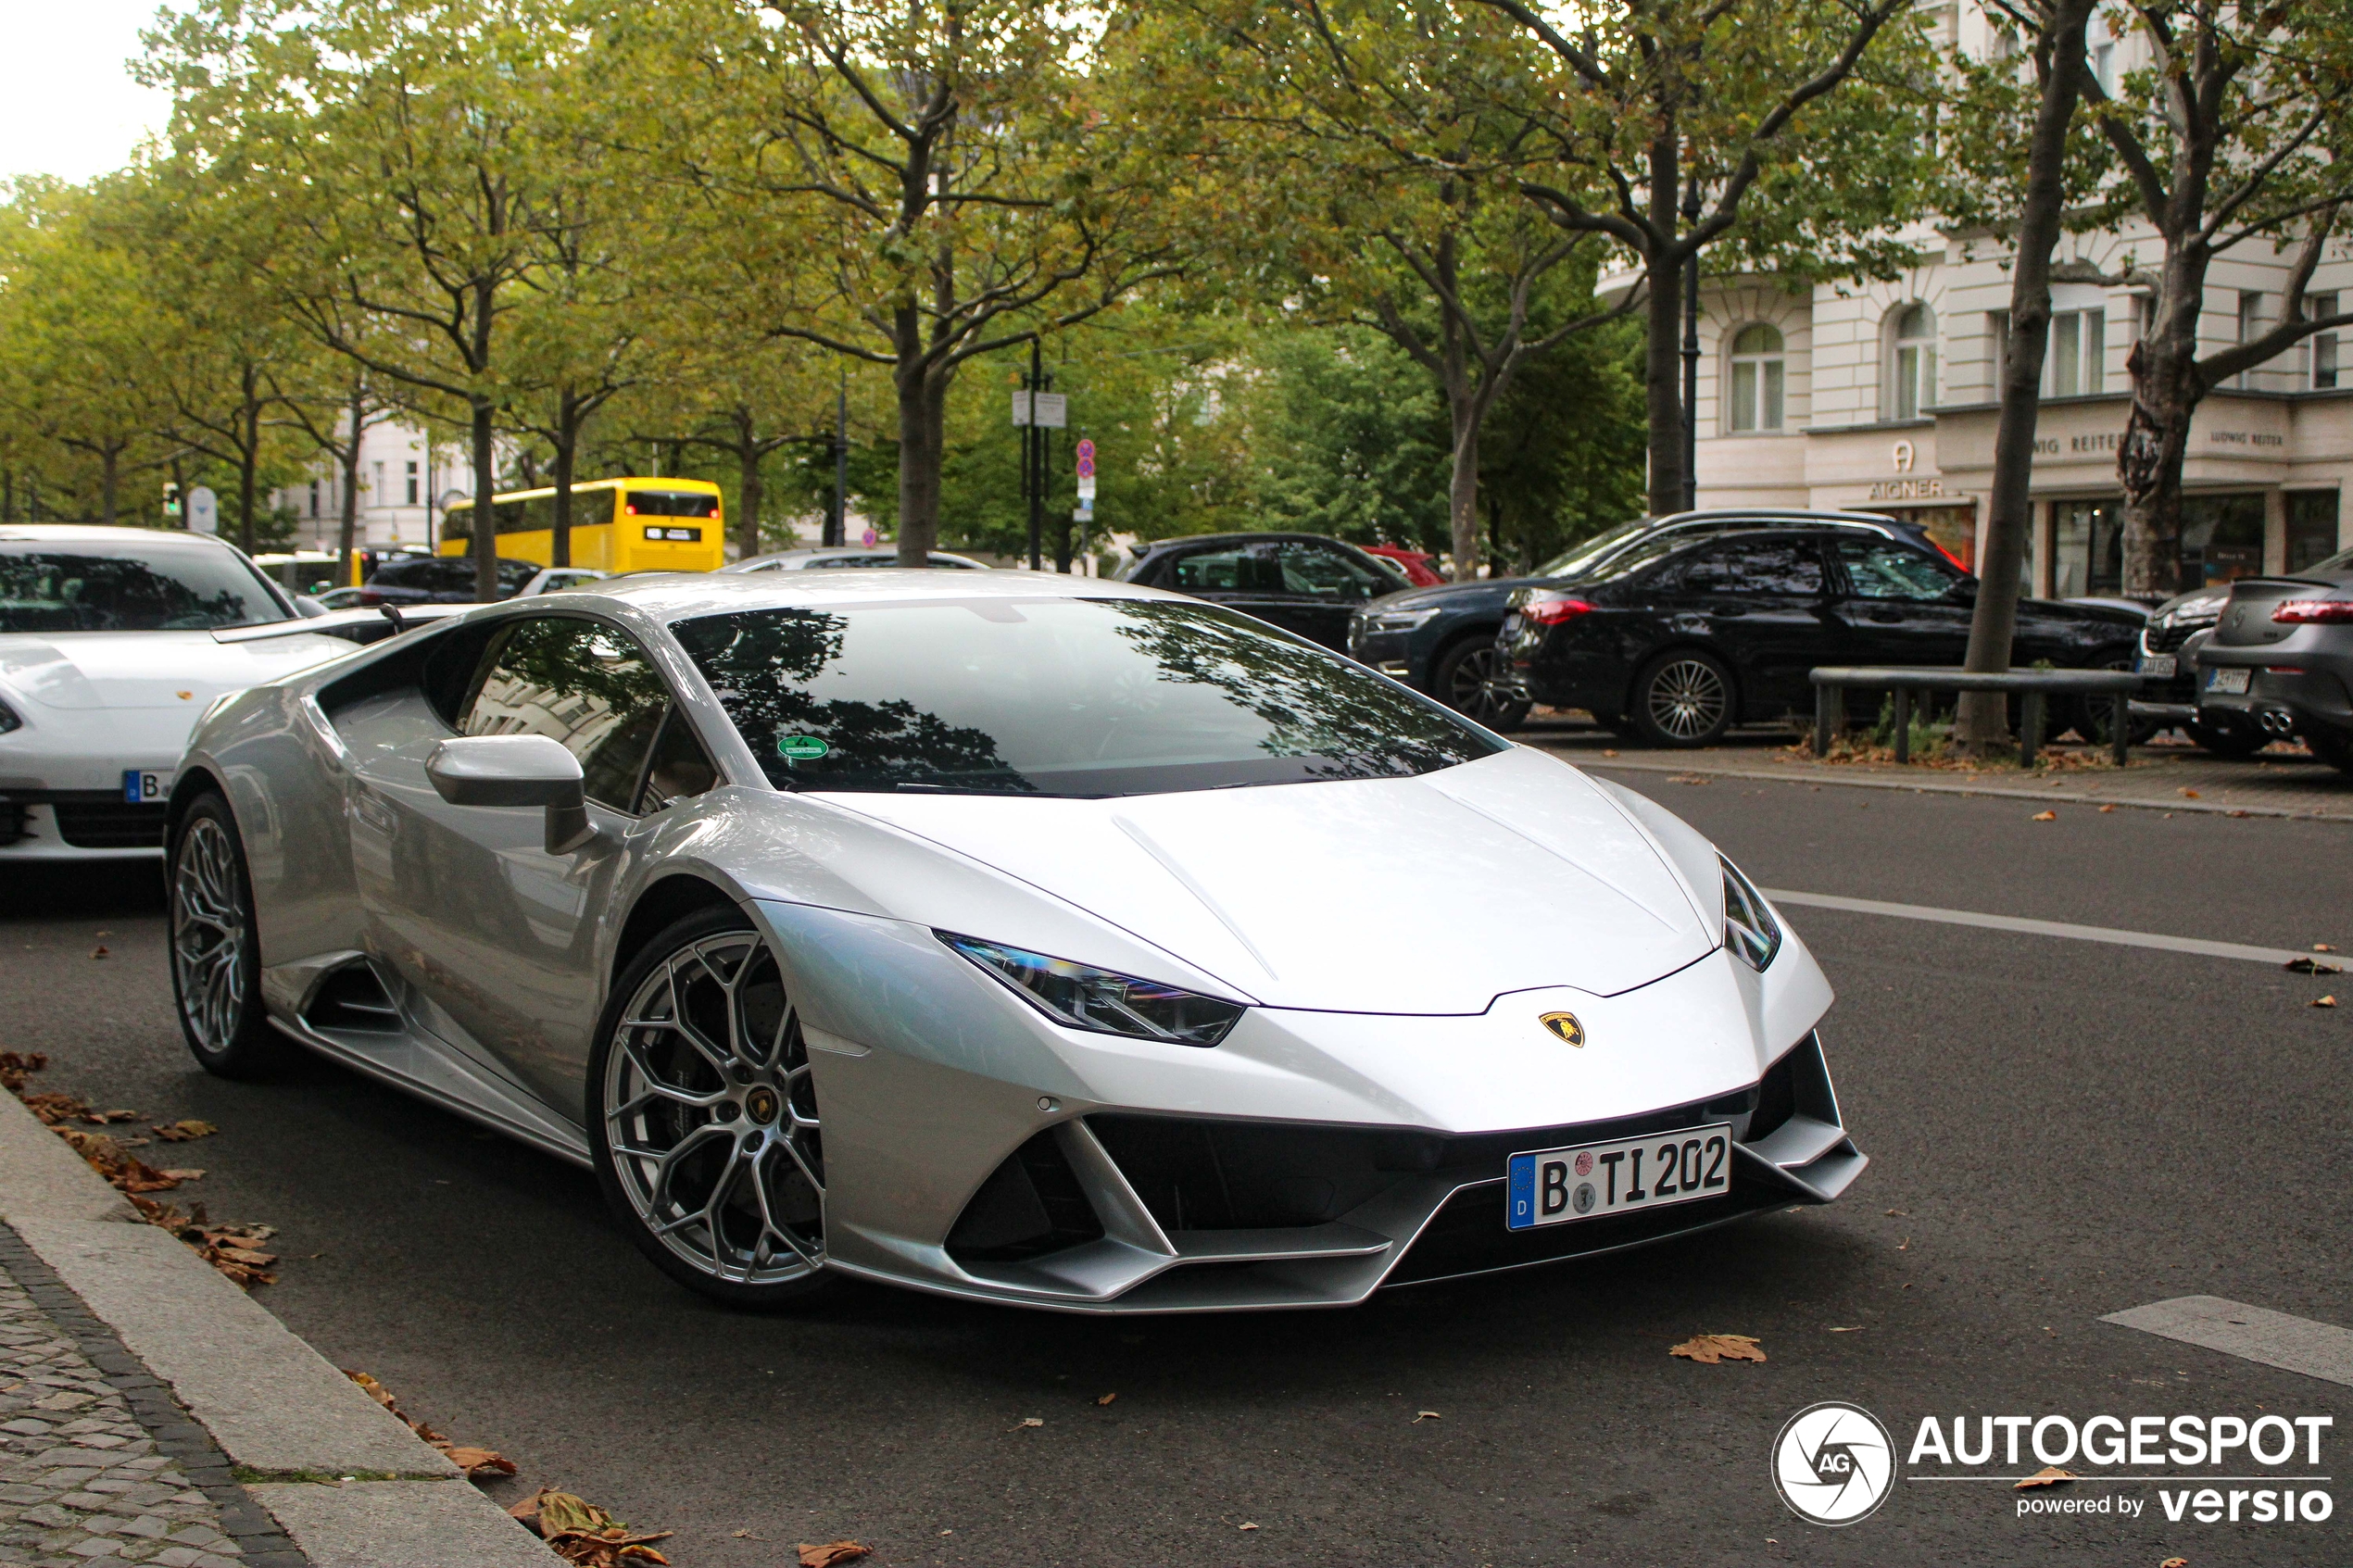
point(88, 587)
point(1581, 556)
point(1058, 696)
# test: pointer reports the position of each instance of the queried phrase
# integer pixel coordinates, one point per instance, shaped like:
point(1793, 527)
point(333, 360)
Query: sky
point(69, 107)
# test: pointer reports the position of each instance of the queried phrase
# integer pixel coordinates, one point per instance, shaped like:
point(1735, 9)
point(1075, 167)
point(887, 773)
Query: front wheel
point(1683, 698)
point(2332, 746)
point(215, 952)
point(705, 1135)
point(1472, 678)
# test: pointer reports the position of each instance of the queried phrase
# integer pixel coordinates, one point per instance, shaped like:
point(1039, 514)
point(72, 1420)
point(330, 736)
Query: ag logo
point(1565, 1026)
point(1833, 1463)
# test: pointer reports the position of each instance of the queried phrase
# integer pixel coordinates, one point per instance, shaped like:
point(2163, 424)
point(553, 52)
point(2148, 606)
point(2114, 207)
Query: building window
point(2311, 528)
point(2221, 539)
point(1911, 364)
point(2078, 360)
point(1756, 379)
point(376, 492)
point(412, 484)
point(2088, 548)
point(2318, 307)
point(314, 498)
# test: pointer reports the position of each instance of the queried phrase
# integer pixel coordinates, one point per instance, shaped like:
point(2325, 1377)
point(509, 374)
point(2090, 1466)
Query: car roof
point(1245, 537)
point(674, 594)
point(103, 534)
point(829, 552)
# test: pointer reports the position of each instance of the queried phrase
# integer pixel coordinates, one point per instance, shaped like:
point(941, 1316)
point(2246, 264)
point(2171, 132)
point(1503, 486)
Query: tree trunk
point(1982, 720)
point(249, 462)
point(348, 535)
point(923, 409)
point(2166, 391)
point(749, 490)
point(1462, 484)
point(567, 446)
point(1662, 381)
point(110, 466)
point(486, 539)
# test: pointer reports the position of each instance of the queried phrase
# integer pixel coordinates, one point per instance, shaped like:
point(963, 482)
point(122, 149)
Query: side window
point(1322, 572)
point(1757, 566)
point(1879, 569)
point(577, 681)
point(680, 770)
point(1221, 571)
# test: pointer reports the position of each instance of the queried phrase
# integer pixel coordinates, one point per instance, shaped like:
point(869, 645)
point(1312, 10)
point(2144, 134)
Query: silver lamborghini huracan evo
point(1025, 938)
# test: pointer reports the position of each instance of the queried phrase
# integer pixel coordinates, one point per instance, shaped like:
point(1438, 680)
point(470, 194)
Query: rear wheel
point(2332, 746)
point(1472, 678)
point(215, 952)
point(706, 1137)
point(2093, 716)
point(1683, 698)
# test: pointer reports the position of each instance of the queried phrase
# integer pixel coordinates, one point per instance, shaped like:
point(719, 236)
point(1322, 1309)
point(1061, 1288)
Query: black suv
point(440, 579)
point(1303, 583)
point(1677, 639)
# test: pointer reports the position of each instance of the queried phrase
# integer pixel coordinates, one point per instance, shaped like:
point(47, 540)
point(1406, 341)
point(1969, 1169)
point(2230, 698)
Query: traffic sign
point(1048, 409)
point(1085, 486)
point(1086, 459)
point(867, 538)
point(203, 510)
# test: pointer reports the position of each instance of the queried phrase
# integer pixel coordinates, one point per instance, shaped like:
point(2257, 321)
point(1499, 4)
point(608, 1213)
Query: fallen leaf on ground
point(831, 1552)
point(181, 1173)
point(185, 1132)
point(2323, 1002)
point(2049, 1476)
point(2046, 816)
point(475, 1462)
point(2322, 947)
point(1899, 1213)
point(1426, 1415)
point(1855, 1329)
point(2311, 966)
point(1606, 752)
point(1248, 1526)
point(1905, 1245)
point(99, 951)
point(1686, 778)
point(1711, 1348)
point(2106, 810)
point(2189, 795)
point(1027, 1421)
point(581, 1532)
point(2175, 1563)
point(1107, 1399)
point(110, 1160)
point(15, 1065)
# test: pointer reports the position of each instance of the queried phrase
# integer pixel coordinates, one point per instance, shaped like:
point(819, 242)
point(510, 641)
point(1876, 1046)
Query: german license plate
point(2157, 664)
point(146, 786)
point(1551, 1186)
point(1511, 624)
point(2227, 678)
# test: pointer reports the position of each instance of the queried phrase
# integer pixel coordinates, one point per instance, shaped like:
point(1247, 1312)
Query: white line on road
point(2042, 927)
point(2316, 1349)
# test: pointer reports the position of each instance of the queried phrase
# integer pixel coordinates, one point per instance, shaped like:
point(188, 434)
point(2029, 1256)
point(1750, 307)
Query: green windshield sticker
point(801, 749)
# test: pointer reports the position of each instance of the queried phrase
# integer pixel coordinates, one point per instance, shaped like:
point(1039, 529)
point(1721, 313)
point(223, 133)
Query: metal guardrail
point(1831, 681)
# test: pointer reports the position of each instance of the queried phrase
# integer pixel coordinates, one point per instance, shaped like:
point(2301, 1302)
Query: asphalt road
point(2060, 1130)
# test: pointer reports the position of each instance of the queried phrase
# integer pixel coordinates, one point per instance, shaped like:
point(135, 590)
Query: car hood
point(1430, 894)
point(130, 669)
point(1454, 595)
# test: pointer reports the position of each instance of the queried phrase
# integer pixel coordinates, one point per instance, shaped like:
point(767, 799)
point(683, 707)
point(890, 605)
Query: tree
point(338, 428)
point(936, 181)
point(1708, 122)
point(2056, 29)
point(2236, 136)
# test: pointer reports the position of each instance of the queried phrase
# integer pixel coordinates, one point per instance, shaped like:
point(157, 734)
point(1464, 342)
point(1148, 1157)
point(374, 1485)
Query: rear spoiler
point(369, 626)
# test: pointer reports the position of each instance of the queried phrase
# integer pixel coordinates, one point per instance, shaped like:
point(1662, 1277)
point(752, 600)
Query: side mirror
point(515, 771)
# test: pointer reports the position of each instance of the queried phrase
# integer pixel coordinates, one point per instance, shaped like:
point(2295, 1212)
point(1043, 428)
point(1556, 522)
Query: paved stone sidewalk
point(81, 1480)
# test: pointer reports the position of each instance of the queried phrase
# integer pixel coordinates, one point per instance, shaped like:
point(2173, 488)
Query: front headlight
point(1083, 998)
point(1400, 619)
point(1749, 930)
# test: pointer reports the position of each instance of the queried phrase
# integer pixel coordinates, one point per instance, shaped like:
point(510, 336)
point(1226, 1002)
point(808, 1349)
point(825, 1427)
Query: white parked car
point(107, 661)
point(855, 557)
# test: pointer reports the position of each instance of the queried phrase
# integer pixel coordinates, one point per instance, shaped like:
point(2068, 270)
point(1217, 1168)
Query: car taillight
point(2306, 612)
point(367, 598)
point(1553, 612)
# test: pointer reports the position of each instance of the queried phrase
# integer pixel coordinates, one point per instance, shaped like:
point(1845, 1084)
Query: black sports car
point(1677, 639)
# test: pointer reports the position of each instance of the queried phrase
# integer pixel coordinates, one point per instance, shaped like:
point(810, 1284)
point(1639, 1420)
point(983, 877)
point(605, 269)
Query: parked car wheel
point(2332, 746)
point(1471, 679)
point(216, 951)
point(1683, 698)
point(2093, 716)
point(705, 1136)
point(2231, 742)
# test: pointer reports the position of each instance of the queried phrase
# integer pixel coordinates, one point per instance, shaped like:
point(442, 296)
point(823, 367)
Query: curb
point(2064, 798)
point(229, 1389)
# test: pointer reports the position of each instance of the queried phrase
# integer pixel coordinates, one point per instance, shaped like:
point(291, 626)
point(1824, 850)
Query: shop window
point(1757, 368)
point(2088, 548)
point(2221, 538)
point(2311, 528)
point(1910, 377)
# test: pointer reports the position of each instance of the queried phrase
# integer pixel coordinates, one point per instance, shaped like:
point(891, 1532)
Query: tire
point(2093, 716)
point(2233, 742)
point(216, 946)
point(698, 1079)
point(1467, 680)
point(1683, 698)
point(2332, 746)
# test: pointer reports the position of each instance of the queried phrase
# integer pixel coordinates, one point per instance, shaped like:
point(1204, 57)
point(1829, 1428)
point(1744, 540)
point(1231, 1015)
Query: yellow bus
point(617, 525)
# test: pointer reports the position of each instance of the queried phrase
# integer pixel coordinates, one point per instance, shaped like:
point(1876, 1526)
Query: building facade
point(1883, 397)
point(402, 477)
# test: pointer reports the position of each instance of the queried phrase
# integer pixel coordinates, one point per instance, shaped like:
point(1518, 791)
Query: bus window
point(672, 503)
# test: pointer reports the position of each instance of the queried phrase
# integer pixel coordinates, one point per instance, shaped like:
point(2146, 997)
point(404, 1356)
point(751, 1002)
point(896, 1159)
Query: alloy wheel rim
point(208, 929)
point(711, 1114)
point(1476, 687)
point(1687, 699)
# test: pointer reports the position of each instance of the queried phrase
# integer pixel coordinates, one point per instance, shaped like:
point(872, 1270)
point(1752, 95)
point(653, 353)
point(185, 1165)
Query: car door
point(1763, 601)
point(1327, 584)
point(1247, 577)
point(1898, 605)
point(472, 911)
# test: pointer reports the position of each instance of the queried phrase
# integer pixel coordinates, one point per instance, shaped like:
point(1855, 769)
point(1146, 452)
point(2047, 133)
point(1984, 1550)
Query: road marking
point(2316, 1349)
point(2039, 927)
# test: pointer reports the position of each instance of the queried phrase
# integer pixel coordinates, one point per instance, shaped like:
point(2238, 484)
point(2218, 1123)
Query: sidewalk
point(152, 1412)
point(2169, 775)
